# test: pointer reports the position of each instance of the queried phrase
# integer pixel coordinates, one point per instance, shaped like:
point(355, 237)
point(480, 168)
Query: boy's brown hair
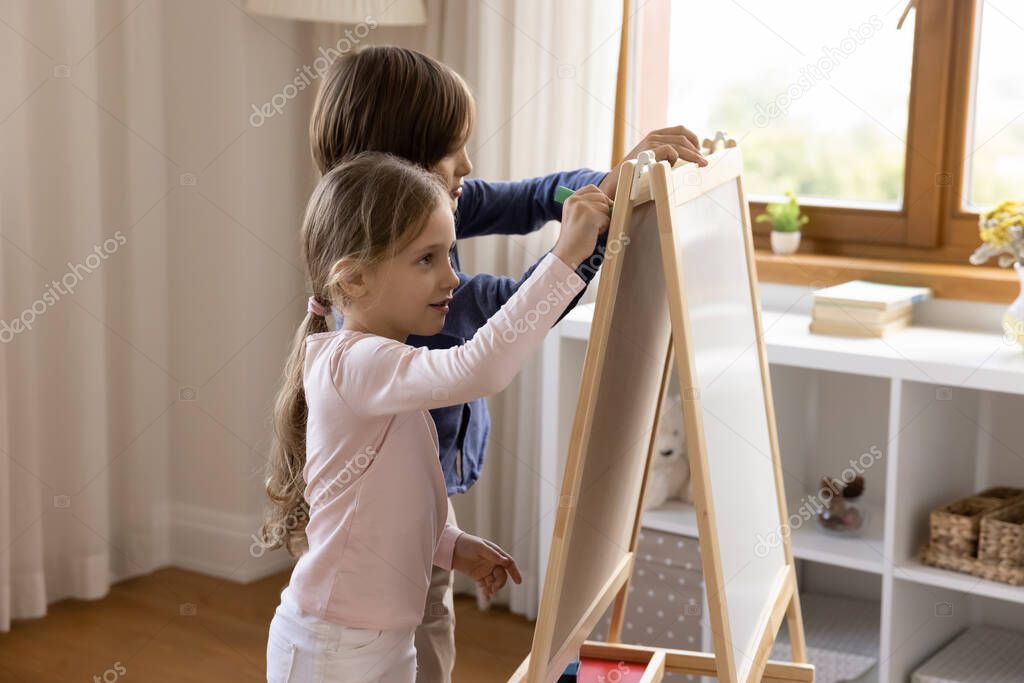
point(390, 99)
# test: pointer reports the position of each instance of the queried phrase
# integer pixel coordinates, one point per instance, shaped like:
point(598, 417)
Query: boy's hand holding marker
point(668, 144)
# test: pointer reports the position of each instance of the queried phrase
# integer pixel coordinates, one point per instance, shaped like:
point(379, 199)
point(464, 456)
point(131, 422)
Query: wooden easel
point(634, 339)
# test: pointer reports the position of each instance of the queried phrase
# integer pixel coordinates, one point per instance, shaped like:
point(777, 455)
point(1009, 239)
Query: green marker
point(562, 193)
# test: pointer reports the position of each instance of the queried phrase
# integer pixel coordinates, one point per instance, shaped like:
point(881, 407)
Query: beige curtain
point(150, 284)
point(544, 75)
point(155, 167)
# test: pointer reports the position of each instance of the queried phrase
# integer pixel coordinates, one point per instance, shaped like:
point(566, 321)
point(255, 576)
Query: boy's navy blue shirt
point(511, 208)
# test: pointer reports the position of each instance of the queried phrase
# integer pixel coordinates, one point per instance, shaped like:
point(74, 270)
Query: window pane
point(815, 92)
point(995, 143)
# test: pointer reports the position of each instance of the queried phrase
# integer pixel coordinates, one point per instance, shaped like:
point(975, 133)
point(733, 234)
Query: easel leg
point(795, 624)
point(618, 614)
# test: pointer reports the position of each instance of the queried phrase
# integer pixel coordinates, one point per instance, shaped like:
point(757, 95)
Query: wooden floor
point(175, 625)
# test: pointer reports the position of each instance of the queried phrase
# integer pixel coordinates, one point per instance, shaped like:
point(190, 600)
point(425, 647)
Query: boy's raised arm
point(515, 207)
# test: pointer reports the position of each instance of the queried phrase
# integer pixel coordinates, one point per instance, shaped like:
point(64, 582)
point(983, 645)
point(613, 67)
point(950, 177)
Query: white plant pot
point(785, 242)
point(1013, 319)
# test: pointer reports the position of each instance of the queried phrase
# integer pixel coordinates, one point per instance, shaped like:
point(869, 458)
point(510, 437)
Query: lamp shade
point(384, 12)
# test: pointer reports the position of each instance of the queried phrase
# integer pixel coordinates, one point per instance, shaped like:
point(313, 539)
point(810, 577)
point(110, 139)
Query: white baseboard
point(221, 544)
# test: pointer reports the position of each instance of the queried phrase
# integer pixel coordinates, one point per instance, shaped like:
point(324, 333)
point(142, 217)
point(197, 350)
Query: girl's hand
point(668, 144)
point(585, 215)
point(484, 562)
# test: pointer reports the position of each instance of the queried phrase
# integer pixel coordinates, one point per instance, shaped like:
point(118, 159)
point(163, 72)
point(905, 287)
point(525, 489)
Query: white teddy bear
point(669, 476)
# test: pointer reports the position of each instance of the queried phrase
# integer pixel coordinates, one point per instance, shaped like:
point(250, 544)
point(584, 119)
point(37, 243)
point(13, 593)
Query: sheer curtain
point(151, 281)
point(155, 167)
point(544, 75)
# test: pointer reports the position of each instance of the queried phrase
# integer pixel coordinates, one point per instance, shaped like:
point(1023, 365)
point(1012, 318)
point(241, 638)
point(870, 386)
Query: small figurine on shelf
point(840, 512)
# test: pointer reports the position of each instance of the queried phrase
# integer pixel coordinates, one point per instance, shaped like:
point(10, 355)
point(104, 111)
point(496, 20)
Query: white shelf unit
point(677, 517)
point(943, 409)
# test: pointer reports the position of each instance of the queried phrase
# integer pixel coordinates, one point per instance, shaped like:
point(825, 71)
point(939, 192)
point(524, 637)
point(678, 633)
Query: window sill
point(971, 283)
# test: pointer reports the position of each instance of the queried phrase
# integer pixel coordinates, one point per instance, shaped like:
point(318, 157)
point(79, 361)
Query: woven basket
point(944, 559)
point(1002, 536)
point(955, 527)
point(1004, 493)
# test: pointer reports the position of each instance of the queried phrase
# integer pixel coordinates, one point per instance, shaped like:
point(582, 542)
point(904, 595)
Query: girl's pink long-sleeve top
point(378, 504)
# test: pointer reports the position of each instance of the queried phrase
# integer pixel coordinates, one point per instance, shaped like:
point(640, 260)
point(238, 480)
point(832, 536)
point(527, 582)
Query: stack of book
point(864, 309)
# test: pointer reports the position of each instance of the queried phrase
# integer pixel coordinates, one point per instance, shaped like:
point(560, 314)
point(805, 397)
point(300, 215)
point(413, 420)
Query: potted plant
point(1002, 234)
point(786, 221)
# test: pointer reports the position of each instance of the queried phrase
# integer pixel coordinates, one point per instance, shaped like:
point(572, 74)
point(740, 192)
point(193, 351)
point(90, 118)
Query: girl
point(396, 100)
point(354, 444)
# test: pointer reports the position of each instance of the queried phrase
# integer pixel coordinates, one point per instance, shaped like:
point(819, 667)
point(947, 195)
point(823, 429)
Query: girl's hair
point(365, 210)
point(390, 99)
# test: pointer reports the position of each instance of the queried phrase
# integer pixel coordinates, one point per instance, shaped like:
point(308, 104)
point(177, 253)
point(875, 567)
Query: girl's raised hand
point(485, 563)
point(585, 215)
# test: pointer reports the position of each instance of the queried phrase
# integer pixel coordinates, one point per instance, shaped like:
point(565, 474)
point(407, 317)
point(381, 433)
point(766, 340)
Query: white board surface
point(730, 397)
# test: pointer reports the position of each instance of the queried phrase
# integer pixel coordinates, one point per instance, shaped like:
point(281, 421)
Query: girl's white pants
point(303, 648)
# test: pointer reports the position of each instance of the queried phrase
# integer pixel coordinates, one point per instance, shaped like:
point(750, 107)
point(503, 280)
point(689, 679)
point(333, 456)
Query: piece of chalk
point(562, 193)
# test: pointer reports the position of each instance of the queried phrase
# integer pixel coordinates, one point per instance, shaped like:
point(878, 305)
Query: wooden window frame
point(928, 240)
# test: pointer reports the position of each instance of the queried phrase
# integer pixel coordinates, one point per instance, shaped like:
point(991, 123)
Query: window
point(892, 152)
point(994, 169)
point(817, 96)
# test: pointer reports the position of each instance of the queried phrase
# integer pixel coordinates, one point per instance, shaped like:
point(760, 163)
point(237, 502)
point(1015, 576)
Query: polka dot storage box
point(981, 654)
point(666, 596)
